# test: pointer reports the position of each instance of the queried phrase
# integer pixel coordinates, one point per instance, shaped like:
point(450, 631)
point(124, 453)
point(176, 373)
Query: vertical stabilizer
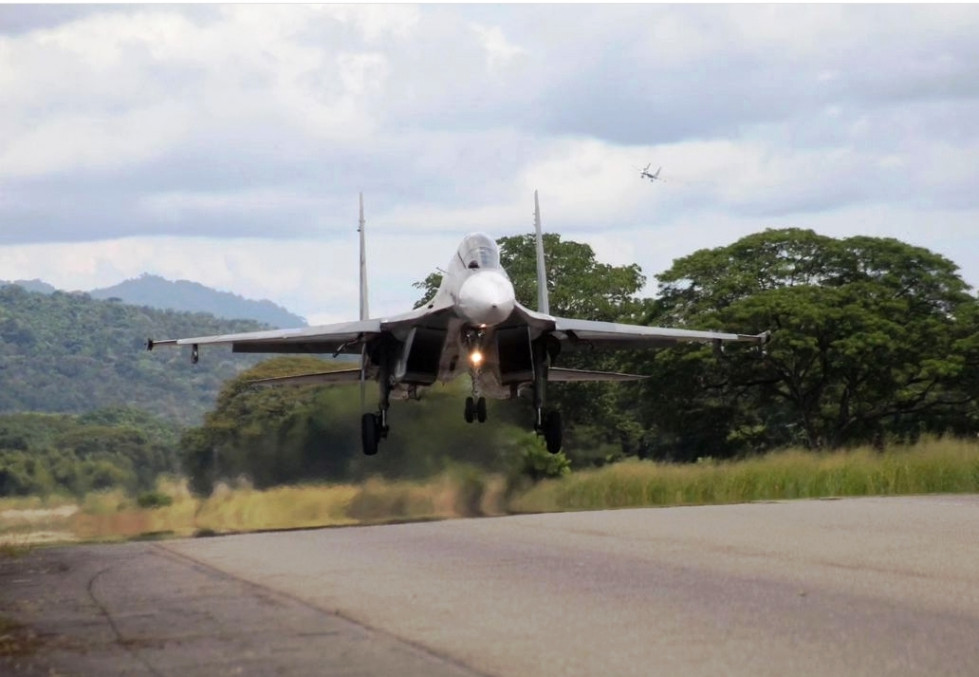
point(543, 304)
point(364, 312)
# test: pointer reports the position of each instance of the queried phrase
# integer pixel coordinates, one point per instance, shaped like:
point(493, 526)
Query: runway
point(844, 587)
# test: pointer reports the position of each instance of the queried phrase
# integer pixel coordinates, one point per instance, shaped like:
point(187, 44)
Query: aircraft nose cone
point(486, 298)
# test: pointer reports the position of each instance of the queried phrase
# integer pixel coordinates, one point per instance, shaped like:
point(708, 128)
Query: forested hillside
point(70, 353)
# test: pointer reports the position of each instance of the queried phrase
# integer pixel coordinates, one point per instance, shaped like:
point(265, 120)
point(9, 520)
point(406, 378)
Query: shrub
point(153, 500)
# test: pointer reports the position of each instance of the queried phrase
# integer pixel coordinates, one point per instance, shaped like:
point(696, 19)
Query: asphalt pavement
point(875, 586)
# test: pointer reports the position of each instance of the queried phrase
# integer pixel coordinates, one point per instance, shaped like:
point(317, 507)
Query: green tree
point(45, 453)
point(867, 343)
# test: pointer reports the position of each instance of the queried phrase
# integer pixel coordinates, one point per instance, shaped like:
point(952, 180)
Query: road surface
point(843, 587)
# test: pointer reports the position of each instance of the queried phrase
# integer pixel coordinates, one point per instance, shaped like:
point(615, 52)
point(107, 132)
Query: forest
point(874, 342)
point(41, 454)
point(84, 406)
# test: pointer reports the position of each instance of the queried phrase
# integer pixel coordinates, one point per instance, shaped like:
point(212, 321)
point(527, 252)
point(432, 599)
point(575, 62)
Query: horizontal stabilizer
point(570, 375)
point(338, 376)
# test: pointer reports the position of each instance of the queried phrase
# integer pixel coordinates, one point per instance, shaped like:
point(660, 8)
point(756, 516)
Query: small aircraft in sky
point(473, 325)
point(644, 173)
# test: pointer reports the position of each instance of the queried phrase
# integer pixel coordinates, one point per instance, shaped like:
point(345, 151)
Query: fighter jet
point(644, 173)
point(473, 326)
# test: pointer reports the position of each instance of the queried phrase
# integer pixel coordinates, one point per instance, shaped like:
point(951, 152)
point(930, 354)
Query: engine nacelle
point(418, 362)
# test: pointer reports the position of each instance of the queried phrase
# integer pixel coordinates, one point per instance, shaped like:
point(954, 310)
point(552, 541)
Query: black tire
point(481, 410)
point(553, 431)
point(470, 410)
point(368, 433)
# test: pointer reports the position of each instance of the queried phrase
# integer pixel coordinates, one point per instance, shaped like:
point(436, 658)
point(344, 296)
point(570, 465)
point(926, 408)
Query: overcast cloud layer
point(227, 144)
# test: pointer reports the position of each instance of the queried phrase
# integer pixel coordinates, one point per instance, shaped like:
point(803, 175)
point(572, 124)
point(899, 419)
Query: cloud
point(258, 125)
point(499, 51)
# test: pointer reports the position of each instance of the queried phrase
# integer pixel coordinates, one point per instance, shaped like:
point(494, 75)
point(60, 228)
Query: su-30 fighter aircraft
point(473, 325)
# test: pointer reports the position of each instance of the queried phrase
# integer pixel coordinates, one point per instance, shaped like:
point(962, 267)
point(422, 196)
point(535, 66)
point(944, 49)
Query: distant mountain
point(183, 295)
point(33, 285)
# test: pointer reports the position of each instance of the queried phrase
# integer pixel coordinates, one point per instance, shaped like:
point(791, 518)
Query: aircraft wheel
point(368, 433)
point(470, 410)
point(553, 431)
point(481, 410)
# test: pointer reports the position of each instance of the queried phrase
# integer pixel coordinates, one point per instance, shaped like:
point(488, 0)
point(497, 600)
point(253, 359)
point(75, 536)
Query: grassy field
point(933, 466)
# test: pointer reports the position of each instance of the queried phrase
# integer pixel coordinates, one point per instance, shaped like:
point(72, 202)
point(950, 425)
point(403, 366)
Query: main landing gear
point(551, 428)
point(549, 424)
point(372, 431)
point(374, 427)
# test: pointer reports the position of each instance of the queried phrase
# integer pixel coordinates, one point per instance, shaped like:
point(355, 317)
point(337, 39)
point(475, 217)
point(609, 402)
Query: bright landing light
point(476, 358)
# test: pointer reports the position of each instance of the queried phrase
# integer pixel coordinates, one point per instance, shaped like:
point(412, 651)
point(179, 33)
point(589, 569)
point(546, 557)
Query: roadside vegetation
point(932, 466)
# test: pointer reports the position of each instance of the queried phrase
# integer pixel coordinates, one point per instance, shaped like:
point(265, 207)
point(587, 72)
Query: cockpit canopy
point(479, 251)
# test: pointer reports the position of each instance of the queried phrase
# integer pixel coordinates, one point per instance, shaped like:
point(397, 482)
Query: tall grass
point(933, 466)
point(458, 492)
point(278, 508)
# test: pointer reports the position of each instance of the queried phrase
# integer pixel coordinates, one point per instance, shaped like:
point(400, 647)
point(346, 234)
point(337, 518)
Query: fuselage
point(475, 283)
point(481, 297)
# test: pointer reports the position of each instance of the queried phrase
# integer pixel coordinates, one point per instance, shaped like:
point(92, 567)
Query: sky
point(227, 144)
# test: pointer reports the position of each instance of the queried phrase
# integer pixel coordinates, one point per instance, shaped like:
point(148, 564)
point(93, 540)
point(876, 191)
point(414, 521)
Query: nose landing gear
point(475, 409)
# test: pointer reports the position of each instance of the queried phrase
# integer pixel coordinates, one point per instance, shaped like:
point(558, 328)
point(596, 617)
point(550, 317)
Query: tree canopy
point(69, 454)
point(872, 338)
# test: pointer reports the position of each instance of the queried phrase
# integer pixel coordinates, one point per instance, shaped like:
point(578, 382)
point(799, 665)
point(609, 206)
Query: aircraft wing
point(615, 335)
point(331, 338)
point(343, 337)
point(561, 374)
point(618, 335)
point(337, 376)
